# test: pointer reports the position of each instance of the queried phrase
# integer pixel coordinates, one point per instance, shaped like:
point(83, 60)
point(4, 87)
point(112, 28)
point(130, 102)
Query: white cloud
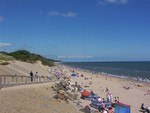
point(68, 14)
point(5, 44)
point(1, 18)
point(113, 1)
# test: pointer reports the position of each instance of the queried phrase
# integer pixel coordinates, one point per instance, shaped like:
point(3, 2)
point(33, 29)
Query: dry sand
point(38, 98)
point(23, 68)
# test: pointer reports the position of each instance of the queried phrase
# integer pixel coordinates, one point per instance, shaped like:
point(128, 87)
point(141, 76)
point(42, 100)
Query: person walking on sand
point(31, 75)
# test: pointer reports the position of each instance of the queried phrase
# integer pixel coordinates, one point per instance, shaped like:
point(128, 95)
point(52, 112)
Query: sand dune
point(23, 68)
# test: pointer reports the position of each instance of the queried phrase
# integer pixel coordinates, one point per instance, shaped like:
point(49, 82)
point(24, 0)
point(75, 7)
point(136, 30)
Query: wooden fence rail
point(14, 80)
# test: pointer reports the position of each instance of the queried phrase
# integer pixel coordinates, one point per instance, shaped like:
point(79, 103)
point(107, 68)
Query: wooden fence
point(14, 80)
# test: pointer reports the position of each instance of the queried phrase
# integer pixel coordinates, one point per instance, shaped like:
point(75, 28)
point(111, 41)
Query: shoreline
point(108, 75)
point(134, 79)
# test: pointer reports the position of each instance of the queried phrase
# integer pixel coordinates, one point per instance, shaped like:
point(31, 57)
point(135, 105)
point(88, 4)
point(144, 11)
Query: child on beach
point(115, 99)
point(118, 99)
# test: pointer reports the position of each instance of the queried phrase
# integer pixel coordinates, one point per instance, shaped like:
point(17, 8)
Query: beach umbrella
point(73, 75)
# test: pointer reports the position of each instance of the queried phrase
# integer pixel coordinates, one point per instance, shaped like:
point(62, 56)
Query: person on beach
point(108, 97)
point(82, 75)
point(111, 97)
point(104, 100)
point(102, 110)
point(36, 75)
point(92, 93)
point(145, 108)
point(110, 110)
point(100, 99)
point(115, 99)
point(31, 75)
point(106, 89)
point(118, 99)
point(148, 92)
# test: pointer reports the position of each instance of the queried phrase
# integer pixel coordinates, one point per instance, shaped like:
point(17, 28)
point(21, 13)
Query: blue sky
point(77, 30)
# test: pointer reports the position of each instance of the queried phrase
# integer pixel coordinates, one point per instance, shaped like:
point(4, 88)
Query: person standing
point(31, 75)
point(36, 76)
point(111, 97)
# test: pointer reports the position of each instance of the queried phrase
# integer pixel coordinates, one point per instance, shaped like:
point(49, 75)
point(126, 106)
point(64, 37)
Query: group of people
point(107, 110)
point(109, 97)
point(33, 76)
point(59, 72)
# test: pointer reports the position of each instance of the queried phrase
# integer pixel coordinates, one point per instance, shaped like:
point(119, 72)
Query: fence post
point(4, 80)
point(16, 79)
point(12, 79)
point(21, 79)
point(1, 85)
point(34, 79)
point(39, 78)
point(26, 79)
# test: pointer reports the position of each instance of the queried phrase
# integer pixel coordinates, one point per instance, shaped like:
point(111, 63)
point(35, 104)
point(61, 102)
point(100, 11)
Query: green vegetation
point(4, 56)
point(26, 56)
point(4, 63)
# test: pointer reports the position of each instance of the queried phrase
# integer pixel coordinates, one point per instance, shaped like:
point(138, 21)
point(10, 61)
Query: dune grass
point(6, 57)
point(25, 56)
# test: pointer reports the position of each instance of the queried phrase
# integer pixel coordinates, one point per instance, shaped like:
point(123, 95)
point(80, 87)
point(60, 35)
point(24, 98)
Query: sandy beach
point(134, 96)
point(38, 98)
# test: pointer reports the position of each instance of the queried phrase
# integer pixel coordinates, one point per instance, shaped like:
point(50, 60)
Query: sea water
point(139, 71)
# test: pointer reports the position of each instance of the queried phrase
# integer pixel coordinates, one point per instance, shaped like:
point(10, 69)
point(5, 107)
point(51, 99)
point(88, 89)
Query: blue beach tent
point(73, 75)
point(122, 108)
point(90, 97)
